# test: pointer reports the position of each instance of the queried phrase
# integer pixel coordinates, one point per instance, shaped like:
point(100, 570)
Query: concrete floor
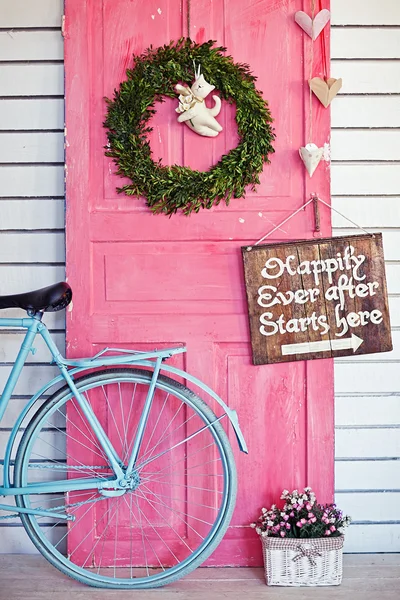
point(365, 577)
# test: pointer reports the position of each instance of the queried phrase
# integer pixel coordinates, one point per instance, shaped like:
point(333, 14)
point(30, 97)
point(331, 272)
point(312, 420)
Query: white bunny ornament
point(193, 110)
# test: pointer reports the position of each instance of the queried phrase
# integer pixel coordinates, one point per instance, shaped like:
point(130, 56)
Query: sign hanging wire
point(313, 198)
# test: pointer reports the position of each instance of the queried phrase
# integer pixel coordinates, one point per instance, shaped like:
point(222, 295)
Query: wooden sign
point(317, 299)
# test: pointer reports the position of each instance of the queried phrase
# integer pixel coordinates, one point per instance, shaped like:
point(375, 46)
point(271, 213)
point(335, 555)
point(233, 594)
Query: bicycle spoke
point(168, 524)
point(175, 511)
point(112, 415)
point(180, 500)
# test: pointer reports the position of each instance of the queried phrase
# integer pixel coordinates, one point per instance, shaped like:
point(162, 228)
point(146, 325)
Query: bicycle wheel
point(180, 503)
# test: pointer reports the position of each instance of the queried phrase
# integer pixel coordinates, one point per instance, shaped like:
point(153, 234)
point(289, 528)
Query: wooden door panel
point(148, 281)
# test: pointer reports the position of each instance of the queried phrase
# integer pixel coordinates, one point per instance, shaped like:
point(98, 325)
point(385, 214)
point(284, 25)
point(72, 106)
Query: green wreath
point(169, 189)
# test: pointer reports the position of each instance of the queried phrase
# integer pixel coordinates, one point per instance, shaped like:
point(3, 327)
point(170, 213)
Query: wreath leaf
point(169, 189)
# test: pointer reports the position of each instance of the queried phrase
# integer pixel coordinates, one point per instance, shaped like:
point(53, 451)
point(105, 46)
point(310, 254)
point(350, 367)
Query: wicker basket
point(295, 562)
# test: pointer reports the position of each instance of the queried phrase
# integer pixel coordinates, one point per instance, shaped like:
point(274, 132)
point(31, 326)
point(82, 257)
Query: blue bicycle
point(123, 477)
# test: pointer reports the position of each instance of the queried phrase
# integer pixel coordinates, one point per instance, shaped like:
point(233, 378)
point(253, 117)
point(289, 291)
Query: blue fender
point(231, 414)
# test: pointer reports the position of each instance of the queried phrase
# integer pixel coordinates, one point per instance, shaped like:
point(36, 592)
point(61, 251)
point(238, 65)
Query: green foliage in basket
point(301, 517)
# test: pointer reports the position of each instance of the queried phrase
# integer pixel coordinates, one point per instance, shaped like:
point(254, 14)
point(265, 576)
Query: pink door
point(147, 281)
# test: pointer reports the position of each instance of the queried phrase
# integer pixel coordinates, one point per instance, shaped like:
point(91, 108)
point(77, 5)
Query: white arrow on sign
point(353, 342)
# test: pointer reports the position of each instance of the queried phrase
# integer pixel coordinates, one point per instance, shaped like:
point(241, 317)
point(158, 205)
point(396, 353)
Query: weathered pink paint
point(143, 279)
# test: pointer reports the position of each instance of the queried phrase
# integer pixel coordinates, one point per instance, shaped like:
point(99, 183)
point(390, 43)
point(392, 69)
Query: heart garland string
point(310, 154)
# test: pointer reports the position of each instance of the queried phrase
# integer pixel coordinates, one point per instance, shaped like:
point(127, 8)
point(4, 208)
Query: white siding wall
point(32, 250)
point(366, 188)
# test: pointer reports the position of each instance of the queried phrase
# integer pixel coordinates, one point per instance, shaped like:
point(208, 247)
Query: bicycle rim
point(181, 500)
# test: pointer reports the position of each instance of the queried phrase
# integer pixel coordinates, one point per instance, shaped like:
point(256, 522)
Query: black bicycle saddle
point(49, 299)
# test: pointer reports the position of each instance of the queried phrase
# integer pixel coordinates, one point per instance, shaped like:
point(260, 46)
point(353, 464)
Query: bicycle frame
point(68, 370)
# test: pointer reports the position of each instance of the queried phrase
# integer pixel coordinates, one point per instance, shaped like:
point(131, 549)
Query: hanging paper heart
point(312, 27)
point(311, 156)
point(325, 90)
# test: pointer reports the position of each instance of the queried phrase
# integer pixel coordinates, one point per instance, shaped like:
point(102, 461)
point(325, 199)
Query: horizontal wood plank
point(394, 311)
point(365, 111)
point(18, 279)
point(15, 541)
point(31, 214)
point(34, 147)
point(373, 538)
point(368, 179)
point(10, 344)
point(360, 12)
point(360, 378)
point(367, 475)
point(40, 13)
point(17, 181)
point(31, 45)
point(365, 145)
point(31, 380)
point(393, 278)
point(371, 212)
point(365, 43)
point(367, 443)
point(390, 238)
point(370, 506)
point(32, 113)
point(367, 76)
point(368, 410)
point(31, 80)
point(33, 248)
point(15, 407)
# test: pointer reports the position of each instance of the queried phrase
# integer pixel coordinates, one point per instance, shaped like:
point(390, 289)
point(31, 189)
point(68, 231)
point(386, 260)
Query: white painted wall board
point(393, 278)
point(10, 344)
point(365, 179)
point(31, 380)
point(362, 12)
point(394, 311)
point(36, 147)
point(37, 45)
point(15, 407)
point(352, 144)
point(50, 444)
point(363, 378)
point(15, 280)
point(15, 541)
point(367, 443)
point(380, 538)
point(367, 76)
point(26, 13)
point(32, 247)
point(390, 239)
point(17, 181)
point(31, 213)
point(356, 42)
point(369, 506)
point(365, 111)
point(368, 474)
point(31, 80)
point(32, 113)
point(368, 410)
point(370, 212)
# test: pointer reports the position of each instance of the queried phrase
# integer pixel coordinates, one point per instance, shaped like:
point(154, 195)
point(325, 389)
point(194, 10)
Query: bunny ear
point(197, 71)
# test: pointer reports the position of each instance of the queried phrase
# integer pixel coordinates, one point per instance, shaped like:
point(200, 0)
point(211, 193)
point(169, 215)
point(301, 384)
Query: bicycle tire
point(153, 576)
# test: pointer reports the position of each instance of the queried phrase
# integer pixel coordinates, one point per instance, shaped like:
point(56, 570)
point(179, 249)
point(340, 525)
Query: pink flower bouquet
point(301, 517)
